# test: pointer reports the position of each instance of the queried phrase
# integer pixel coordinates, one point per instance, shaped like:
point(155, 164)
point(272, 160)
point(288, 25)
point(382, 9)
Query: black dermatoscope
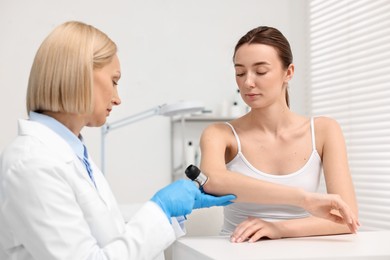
point(194, 174)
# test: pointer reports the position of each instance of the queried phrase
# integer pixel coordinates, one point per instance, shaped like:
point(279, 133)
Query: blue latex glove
point(182, 196)
point(204, 200)
point(177, 199)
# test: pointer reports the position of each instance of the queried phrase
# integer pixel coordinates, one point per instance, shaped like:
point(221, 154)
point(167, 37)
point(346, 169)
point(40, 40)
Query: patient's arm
point(214, 142)
point(253, 229)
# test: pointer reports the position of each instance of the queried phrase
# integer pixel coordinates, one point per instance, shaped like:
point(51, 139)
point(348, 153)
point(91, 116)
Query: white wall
point(169, 50)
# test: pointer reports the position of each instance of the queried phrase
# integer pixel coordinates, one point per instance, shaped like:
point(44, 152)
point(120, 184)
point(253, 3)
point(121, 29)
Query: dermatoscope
point(194, 174)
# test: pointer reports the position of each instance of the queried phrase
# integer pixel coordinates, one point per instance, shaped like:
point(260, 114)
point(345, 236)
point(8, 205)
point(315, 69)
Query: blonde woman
point(54, 202)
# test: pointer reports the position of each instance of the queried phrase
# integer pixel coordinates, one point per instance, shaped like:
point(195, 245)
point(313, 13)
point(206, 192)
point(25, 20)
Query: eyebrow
point(255, 64)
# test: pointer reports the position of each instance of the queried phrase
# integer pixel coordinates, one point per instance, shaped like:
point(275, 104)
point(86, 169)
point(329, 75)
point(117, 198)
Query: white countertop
point(368, 245)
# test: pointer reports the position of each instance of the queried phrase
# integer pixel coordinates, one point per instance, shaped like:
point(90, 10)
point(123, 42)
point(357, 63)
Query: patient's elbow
point(215, 186)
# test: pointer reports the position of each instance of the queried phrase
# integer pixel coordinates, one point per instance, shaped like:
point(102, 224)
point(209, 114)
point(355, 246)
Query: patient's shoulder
point(324, 123)
point(218, 128)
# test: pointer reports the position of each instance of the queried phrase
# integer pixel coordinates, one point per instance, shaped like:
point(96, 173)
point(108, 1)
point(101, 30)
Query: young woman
point(270, 146)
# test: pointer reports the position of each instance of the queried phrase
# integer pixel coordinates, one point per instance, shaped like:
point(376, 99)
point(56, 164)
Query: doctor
point(54, 202)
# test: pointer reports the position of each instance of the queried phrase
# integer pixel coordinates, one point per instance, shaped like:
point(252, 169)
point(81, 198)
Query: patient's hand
point(255, 229)
point(331, 207)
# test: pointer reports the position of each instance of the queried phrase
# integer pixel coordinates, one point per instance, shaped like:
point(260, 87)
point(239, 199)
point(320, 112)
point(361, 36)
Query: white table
point(368, 245)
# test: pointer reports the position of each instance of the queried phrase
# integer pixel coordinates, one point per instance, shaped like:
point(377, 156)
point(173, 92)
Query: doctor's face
point(105, 81)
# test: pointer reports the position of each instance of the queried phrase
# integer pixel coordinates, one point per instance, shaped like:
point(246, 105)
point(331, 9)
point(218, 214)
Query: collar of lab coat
point(52, 140)
point(62, 149)
point(76, 143)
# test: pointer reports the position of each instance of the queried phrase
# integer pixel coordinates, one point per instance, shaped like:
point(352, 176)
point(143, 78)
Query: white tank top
point(307, 178)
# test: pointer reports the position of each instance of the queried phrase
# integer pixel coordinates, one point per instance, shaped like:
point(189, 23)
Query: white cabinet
point(185, 130)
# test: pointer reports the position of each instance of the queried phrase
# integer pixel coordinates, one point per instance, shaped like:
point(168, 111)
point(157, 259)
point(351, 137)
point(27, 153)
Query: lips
point(251, 96)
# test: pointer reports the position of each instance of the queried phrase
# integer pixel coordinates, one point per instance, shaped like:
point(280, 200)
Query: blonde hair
point(61, 77)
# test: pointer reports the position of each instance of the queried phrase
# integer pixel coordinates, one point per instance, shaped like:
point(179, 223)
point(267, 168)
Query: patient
point(271, 144)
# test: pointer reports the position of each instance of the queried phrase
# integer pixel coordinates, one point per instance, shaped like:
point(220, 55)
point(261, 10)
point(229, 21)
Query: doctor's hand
point(182, 196)
point(204, 200)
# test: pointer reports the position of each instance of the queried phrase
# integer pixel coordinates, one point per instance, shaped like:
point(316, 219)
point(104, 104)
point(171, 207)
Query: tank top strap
point(236, 136)
point(313, 137)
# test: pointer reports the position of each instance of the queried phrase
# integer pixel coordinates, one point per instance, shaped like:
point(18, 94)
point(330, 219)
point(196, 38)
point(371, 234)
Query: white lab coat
point(50, 209)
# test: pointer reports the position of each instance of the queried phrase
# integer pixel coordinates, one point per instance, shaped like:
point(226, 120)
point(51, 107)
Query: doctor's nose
point(116, 99)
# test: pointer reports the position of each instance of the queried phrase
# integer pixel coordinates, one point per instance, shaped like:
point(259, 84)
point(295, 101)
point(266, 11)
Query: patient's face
point(260, 75)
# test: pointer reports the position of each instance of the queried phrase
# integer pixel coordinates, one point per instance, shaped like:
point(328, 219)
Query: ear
point(289, 73)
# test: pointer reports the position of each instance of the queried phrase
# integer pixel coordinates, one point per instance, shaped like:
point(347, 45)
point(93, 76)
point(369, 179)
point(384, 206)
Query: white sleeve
point(43, 217)
point(148, 234)
point(178, 226)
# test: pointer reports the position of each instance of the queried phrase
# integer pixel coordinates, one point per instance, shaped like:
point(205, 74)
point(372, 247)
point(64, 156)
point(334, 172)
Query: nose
point(116, 99)
point(249, 81)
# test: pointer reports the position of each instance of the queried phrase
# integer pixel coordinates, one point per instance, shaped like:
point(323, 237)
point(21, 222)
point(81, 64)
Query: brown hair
point(272, 37)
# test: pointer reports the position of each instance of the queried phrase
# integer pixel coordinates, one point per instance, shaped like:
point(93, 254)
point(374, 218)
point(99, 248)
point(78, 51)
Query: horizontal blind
point(349, 80)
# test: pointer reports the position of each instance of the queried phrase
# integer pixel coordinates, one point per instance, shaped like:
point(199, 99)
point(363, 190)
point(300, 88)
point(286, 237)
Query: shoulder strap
point(313, 137)
point(236, 136)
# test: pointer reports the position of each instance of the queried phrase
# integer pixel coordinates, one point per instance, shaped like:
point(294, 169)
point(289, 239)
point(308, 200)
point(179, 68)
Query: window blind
point(349, 80)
